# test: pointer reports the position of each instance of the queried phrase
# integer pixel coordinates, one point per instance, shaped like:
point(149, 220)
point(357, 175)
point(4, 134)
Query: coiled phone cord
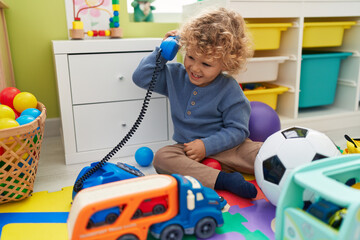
point(79, 183)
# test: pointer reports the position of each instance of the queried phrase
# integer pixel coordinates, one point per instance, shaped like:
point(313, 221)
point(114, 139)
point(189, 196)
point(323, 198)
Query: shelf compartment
point(269, 94)
point(318, 77)
point(267, 36)
point(269, 69)
point(324, 34)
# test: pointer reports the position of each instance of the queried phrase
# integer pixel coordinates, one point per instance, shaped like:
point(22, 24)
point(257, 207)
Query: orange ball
point(24, 100)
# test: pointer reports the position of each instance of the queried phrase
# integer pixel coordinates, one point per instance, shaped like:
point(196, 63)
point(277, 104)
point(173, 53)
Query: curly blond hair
point(219, 34)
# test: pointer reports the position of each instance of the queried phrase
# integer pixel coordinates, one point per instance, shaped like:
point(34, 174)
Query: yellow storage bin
point(266, 36)
point(267, 93)
point(324, 34)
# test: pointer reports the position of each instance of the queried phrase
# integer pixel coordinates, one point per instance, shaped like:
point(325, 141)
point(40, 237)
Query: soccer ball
point(285, 150)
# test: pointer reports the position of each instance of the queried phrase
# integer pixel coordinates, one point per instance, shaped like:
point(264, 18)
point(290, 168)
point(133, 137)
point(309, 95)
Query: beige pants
point(172, 159)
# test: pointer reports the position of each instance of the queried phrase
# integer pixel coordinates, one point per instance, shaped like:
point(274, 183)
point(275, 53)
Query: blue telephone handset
point(169, 47)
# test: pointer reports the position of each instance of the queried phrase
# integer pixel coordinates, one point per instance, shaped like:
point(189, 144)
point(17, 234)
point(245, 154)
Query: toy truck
point(334, 212)
point(109, 172)
point(190, 209)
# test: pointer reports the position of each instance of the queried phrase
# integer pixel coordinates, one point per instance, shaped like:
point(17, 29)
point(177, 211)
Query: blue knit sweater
point(218, 113)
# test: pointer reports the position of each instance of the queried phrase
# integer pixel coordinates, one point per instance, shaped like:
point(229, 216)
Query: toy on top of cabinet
point(143, 10)
point(77, 32)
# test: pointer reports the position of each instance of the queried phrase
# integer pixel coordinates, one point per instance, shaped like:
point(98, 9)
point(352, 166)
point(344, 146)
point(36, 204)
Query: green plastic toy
point(143, 10)
point(334, 180)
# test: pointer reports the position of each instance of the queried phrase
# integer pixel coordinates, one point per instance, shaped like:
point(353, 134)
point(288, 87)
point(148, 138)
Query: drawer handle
point(121, 77)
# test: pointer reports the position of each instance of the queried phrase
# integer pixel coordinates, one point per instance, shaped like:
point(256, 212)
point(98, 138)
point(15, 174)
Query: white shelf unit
point(99, 102)
point(344, 113)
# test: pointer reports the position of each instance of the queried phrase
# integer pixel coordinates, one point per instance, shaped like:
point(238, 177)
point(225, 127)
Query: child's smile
point(201, 70)
point(195, 76)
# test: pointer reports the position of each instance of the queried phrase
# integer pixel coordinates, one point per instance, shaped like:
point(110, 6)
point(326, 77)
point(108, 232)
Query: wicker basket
point(20, 148)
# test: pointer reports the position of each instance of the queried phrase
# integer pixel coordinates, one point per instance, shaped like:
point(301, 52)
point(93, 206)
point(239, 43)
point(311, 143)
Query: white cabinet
point(99, 102)
point(344, 113)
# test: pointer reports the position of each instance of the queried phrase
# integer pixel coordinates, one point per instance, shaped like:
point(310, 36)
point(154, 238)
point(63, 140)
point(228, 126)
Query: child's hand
point(170, 33)
point(195, 150)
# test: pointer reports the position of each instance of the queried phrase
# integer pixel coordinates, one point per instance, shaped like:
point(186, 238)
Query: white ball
point(285, 150)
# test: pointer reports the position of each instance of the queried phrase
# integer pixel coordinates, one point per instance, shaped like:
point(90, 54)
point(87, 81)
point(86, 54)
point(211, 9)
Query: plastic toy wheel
point(137, 214)
point(158, 209)
point(129, 169)
point(111, 218)
point(205, 228)
point(128, 237)
point(337, 218)
point(90, 224)
point(172, 232)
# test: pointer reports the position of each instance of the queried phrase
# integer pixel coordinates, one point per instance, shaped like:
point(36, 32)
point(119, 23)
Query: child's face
point(201, 70)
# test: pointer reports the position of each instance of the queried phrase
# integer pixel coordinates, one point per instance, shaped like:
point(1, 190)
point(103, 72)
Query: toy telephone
point(168, 50)
point(169, 47)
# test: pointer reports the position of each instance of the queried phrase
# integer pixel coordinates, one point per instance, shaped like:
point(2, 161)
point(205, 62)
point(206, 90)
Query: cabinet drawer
point(99, 126)
point(98, 78)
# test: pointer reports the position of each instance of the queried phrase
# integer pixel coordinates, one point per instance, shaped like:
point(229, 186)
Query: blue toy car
point(323, 210)
point(109, 172)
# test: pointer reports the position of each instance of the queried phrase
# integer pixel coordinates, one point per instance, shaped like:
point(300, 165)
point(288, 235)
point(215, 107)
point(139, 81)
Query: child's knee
point(159, 158)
